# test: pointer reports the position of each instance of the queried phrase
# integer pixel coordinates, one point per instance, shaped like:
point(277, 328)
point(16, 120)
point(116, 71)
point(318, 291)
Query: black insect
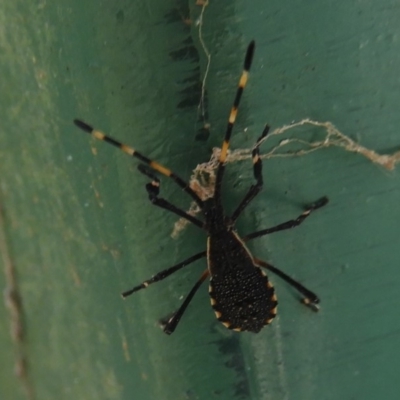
point(241, 295)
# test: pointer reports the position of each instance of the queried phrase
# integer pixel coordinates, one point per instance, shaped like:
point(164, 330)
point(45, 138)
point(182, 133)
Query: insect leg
point(254, 189)
point(289, 224)
point(153, 189)
point(164, 274)
point(232, 118)
point(310, 298)
point(134, 153)
point(170, 325)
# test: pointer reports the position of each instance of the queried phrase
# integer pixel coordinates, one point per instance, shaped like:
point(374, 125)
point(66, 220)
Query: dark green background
point(80, 229)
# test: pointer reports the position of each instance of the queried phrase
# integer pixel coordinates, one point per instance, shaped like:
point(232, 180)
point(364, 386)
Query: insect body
point(241, 295)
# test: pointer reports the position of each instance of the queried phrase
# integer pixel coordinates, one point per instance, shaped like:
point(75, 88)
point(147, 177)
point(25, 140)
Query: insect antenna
point(232, 117)
point(134, 153)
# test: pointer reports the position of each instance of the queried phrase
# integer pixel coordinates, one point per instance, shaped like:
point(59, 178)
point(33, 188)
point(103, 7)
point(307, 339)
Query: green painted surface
point(80, 229)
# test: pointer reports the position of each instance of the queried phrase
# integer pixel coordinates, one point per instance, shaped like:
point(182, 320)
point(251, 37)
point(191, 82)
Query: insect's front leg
point(257, 170)
point(153, 190)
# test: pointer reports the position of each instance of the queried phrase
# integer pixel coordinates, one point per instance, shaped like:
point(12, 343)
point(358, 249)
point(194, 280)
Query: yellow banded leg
point(134, 153)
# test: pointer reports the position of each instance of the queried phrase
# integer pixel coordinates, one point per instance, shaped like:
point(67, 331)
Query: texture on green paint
point(79, 229)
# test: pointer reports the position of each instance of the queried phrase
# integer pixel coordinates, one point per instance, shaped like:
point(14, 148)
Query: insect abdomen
point(243, 300)
point(241, 295)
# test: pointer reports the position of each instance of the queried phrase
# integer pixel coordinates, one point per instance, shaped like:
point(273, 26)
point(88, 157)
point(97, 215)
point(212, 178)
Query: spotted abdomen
point(243, 299)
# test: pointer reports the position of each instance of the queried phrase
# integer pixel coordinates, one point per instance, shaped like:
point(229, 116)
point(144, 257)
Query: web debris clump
point(203, 178)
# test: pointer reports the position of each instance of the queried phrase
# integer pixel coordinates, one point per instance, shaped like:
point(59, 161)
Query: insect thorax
point(241, 295)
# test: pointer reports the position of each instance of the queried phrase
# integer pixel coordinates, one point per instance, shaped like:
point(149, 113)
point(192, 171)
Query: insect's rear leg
point(257, 169)
point(310, 299)
point(164, 274)
point(291, 223)
point(171, 323)
point(153, 190)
